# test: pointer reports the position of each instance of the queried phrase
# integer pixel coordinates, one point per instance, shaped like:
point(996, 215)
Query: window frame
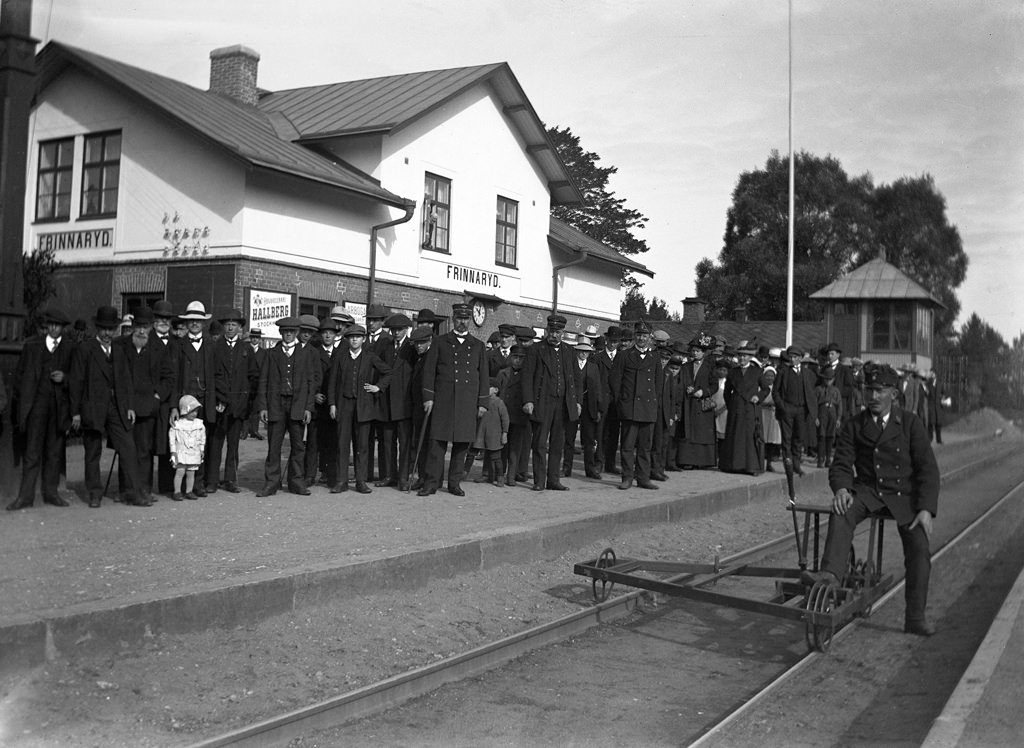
point(501, 248)
point(104, 164)
point(890, 309)
point(56, 171)
point(431, 203)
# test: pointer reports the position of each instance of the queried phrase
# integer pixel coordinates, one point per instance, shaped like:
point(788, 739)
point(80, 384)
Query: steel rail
point(397, 689)
point(706, 740)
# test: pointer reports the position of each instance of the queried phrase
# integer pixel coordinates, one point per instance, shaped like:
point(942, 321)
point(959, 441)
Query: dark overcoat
point(305, 380)
point(191, 381)
point(635, 383)
point(34, 366)
point(455, 378)
point(236, 376)
point(604, 366)
point(398, 398)
point(742, 448)
point(149, 373)
point(786, 393)
point(540, 369)
point(368, 369)
point(698, 425)
point(168, 352)
point(510, 390)
point(895, 468)
point(94, 382)
point(593, 395)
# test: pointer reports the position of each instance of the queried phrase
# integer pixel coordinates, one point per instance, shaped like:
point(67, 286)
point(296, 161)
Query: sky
point(681, 96)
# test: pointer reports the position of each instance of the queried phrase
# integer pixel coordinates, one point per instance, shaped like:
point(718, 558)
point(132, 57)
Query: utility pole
point(17, 80)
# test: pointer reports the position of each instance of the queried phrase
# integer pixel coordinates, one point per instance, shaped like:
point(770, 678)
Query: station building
point(415, 190)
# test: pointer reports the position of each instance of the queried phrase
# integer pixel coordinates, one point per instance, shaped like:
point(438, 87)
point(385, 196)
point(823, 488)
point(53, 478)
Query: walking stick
point(419, 445)
point(110, 473)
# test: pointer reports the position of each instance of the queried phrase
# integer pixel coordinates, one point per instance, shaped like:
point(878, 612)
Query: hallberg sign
point(88, 239)
point(266, 308)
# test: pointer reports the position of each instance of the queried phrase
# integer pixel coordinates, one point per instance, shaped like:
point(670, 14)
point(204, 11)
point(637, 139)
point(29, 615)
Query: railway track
point(401, 688)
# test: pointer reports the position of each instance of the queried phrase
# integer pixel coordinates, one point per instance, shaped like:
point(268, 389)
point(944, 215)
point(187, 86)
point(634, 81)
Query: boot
point(470, 458)
point(821, 452)
point(496, 473)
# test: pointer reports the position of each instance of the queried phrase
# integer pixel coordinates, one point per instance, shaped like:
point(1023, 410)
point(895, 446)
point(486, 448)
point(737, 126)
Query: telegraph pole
point(17, 80)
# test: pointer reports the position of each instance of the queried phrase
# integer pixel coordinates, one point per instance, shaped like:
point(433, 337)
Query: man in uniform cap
point(101, 405)
point(42, 411)
point(608, 430)
point(421, 338)
point(635, 380)
point(795, 400)
point(236, 377)
point(286, 399)
point(550, 399)
point(884, 465)
point(396, 428)
point(524, 336)
point(455, 393)
point(498, 357)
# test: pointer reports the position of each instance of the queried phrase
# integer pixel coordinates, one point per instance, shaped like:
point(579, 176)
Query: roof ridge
point(354, 81)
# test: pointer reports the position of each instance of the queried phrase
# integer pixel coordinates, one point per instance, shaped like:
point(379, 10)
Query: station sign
point(55, 241)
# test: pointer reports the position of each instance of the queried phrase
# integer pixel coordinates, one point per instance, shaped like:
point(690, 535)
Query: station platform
point(92, 578)
point(985, 708)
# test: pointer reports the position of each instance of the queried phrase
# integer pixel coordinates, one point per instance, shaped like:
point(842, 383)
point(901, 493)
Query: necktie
point(880, 420)
point(51, 344)
point(504, 352)
point(288, 349)
point(106, 351)
point(231, 343)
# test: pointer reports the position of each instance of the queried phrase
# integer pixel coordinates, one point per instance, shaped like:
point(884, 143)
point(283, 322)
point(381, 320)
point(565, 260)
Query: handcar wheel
point(606, 559)
point(821, 599)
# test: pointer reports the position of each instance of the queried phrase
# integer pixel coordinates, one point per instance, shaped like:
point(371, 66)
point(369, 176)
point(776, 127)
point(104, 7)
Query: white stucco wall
point(163, 170)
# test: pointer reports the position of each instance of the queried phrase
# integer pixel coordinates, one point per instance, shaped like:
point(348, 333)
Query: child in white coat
point(187, 437)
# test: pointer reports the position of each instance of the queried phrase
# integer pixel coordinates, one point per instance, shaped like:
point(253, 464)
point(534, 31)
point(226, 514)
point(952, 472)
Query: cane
point(419, 445)
point(110, 473)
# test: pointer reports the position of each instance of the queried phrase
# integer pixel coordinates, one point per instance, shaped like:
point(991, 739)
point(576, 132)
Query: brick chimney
point(693, 309)
point(233, 73)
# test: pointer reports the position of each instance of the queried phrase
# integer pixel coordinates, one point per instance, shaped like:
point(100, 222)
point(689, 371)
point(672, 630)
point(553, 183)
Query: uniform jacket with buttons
point(895, 468)
point(636, 383)
point(455, 378)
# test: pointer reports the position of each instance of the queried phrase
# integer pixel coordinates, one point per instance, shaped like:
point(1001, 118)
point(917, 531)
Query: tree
point(634, 305)
point(988, 358)
point(834, 224)
point(602, 216)
point(38, 269)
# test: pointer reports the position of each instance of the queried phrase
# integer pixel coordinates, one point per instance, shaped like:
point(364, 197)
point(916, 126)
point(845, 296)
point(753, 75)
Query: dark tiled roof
point(806, 335)
point(568, 239)
point(383, 105)
point(244, 132)
point(876, 279)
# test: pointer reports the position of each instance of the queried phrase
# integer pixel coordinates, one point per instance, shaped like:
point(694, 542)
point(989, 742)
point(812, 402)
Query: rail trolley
point(823, 607)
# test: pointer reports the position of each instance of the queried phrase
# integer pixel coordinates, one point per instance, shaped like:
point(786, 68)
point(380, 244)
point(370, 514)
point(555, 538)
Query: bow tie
point(288, 346)
point(195, 338)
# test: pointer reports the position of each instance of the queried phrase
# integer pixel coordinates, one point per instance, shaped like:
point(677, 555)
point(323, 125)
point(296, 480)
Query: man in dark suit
point(196, 371)
point(498, 357)
point(421, 338)
point(669, 406)
point(591, 387)
point(608, 430)
point(165, 344)
point(396, 426)
point(322, 433)
point(144, 363)
point(255, 342)
point(795, 401)
point(549, 398)
point(635, 380)
point(236, 377)
point(377, 341)
point(102, 406)
point(42, 411)
point(884, 465)
point(455, 393)
point(842, 377)
point(286, 399)
point(356, 383)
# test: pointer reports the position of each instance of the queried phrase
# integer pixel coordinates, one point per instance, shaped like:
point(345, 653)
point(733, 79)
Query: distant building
point(148, 188)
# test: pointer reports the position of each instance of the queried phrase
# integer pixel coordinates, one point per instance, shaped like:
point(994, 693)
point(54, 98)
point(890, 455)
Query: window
point(101, 172)
point(891, 326)
point(437, 200)
point(53, 185)
point(505, 232)
point(132, 301)
point(318, 309)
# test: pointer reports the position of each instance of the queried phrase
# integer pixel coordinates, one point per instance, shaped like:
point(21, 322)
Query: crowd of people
point(382, 405)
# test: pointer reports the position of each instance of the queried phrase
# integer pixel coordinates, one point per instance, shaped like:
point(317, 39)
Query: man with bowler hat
point(884, 465)
point(236, 377)
point(455, 393)
point(795, 401)
point(102, 406)
point(498, 357)
point(286, 399)
point(322, 433)
point(42, 413)
point(421, 338)
point(163, 343)
point(608, 430)
point(396, 429)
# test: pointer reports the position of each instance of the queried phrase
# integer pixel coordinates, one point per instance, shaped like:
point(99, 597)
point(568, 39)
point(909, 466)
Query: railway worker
point(421, 339)
point(455, 394)
point(195, 376)
point(794, 402)
point(322, 434)
point(41, 410)
point(510, 390)
point(255, 341)
point(357, 379)
point(162, 339)
point(285, 400)
point(699, 438)
point(497, 357)
point(884, 464)
point(102, 406)
point(743, 446)
point(150, 370)
point(236, 377)
point(549, 398)
point(607, 347)
point(635, 380)
point(396, 426)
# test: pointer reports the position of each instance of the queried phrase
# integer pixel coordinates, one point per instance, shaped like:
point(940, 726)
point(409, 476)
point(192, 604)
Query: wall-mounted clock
point(479, 313)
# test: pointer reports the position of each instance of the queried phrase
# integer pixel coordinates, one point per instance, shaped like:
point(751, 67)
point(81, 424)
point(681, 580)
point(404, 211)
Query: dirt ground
point(178, 689)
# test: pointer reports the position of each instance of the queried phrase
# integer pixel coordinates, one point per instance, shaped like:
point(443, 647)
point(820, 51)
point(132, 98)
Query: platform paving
point(81, 577)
